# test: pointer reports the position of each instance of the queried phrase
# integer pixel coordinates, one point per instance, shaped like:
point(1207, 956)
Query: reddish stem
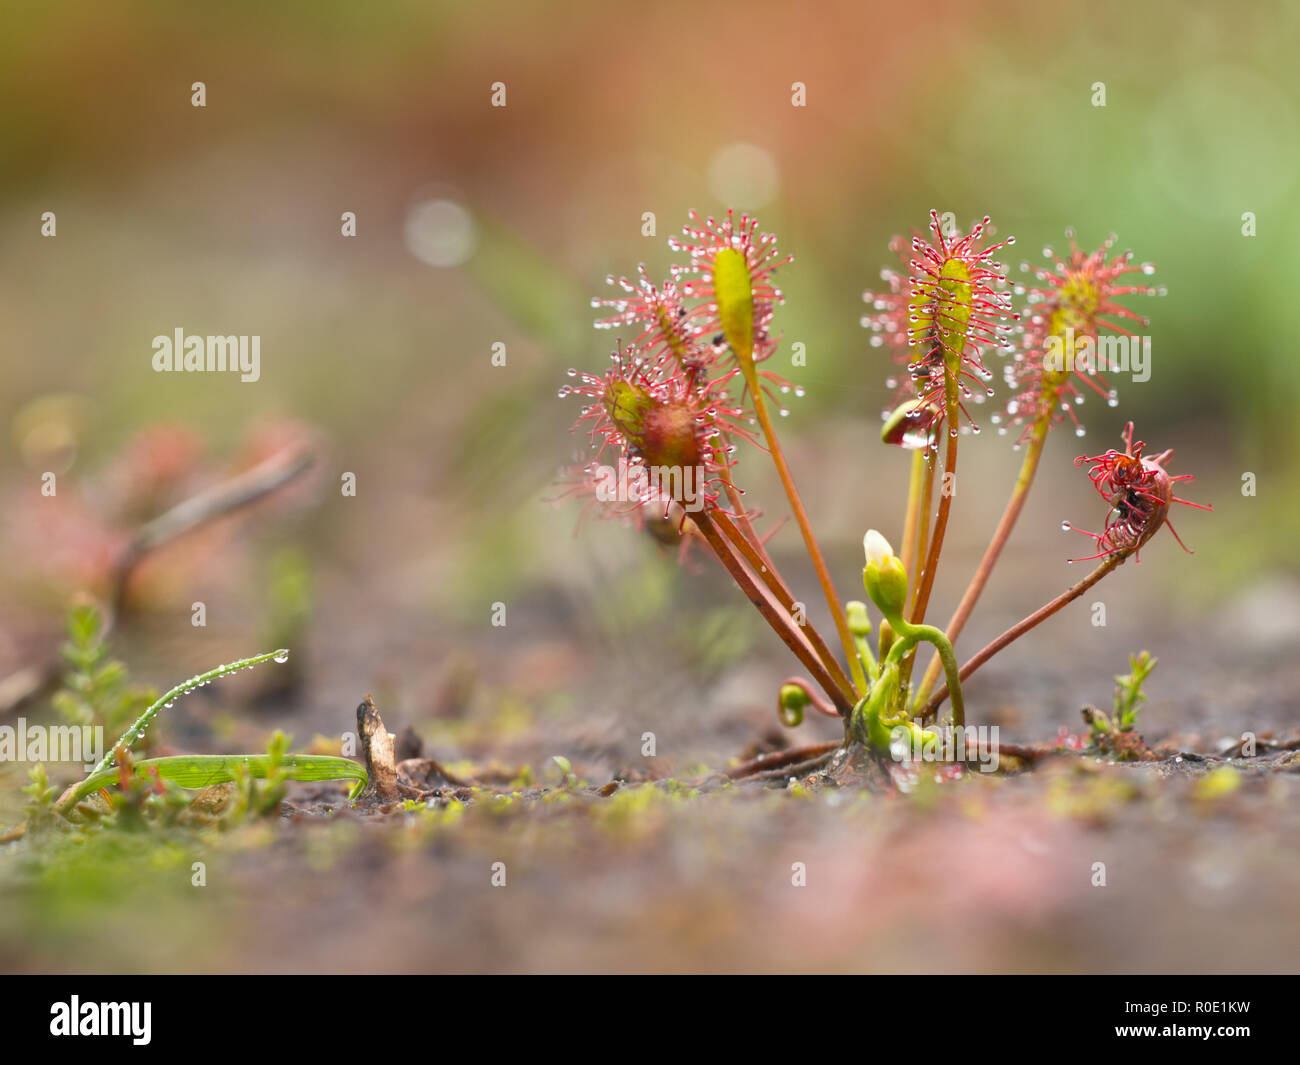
point(777, 617)
point(936, 541)
point(805, 527)
point(742, 517)
point(911, 520)
point(1009, 517)
point(762, 565)
point(1020, 628)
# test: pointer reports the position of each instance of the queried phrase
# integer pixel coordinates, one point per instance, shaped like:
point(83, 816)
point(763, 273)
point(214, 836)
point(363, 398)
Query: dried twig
point(218, 501)
point(35, 680)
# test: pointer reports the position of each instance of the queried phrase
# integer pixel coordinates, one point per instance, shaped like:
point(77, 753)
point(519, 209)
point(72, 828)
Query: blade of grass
point(137, 729)
point(203, 770)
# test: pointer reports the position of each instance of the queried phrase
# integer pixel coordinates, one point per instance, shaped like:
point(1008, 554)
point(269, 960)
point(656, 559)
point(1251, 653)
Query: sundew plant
point(689, 393)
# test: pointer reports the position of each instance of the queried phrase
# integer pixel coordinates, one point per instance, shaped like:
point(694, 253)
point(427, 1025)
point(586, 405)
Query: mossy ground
point(984, 873)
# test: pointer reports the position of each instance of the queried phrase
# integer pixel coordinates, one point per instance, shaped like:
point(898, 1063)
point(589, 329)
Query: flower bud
point(793, 700)
point(876, 548)
point(855, 611)
point(884, 577)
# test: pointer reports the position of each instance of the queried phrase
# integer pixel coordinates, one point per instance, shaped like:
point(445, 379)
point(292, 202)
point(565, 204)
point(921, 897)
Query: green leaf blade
point(193, 771)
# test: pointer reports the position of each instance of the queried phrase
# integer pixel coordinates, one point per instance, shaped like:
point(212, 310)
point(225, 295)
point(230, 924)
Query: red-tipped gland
point(941, 315)
point(734, 265)
point(668, 328)
point(667, 433)
point(1073, 304)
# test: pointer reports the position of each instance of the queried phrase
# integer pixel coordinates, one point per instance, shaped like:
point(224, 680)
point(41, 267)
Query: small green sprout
point(260, 789)
point(568, 779)
point(1129, 699)
point(40, 798)
point(1128, 690)
point(95, 691)
point(1116, 733)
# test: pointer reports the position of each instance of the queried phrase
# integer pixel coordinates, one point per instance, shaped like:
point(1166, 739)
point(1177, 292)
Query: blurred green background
point(478, 225)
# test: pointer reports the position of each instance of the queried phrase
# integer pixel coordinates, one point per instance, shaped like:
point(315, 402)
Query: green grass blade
point(203, 770)
point(131, 735)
